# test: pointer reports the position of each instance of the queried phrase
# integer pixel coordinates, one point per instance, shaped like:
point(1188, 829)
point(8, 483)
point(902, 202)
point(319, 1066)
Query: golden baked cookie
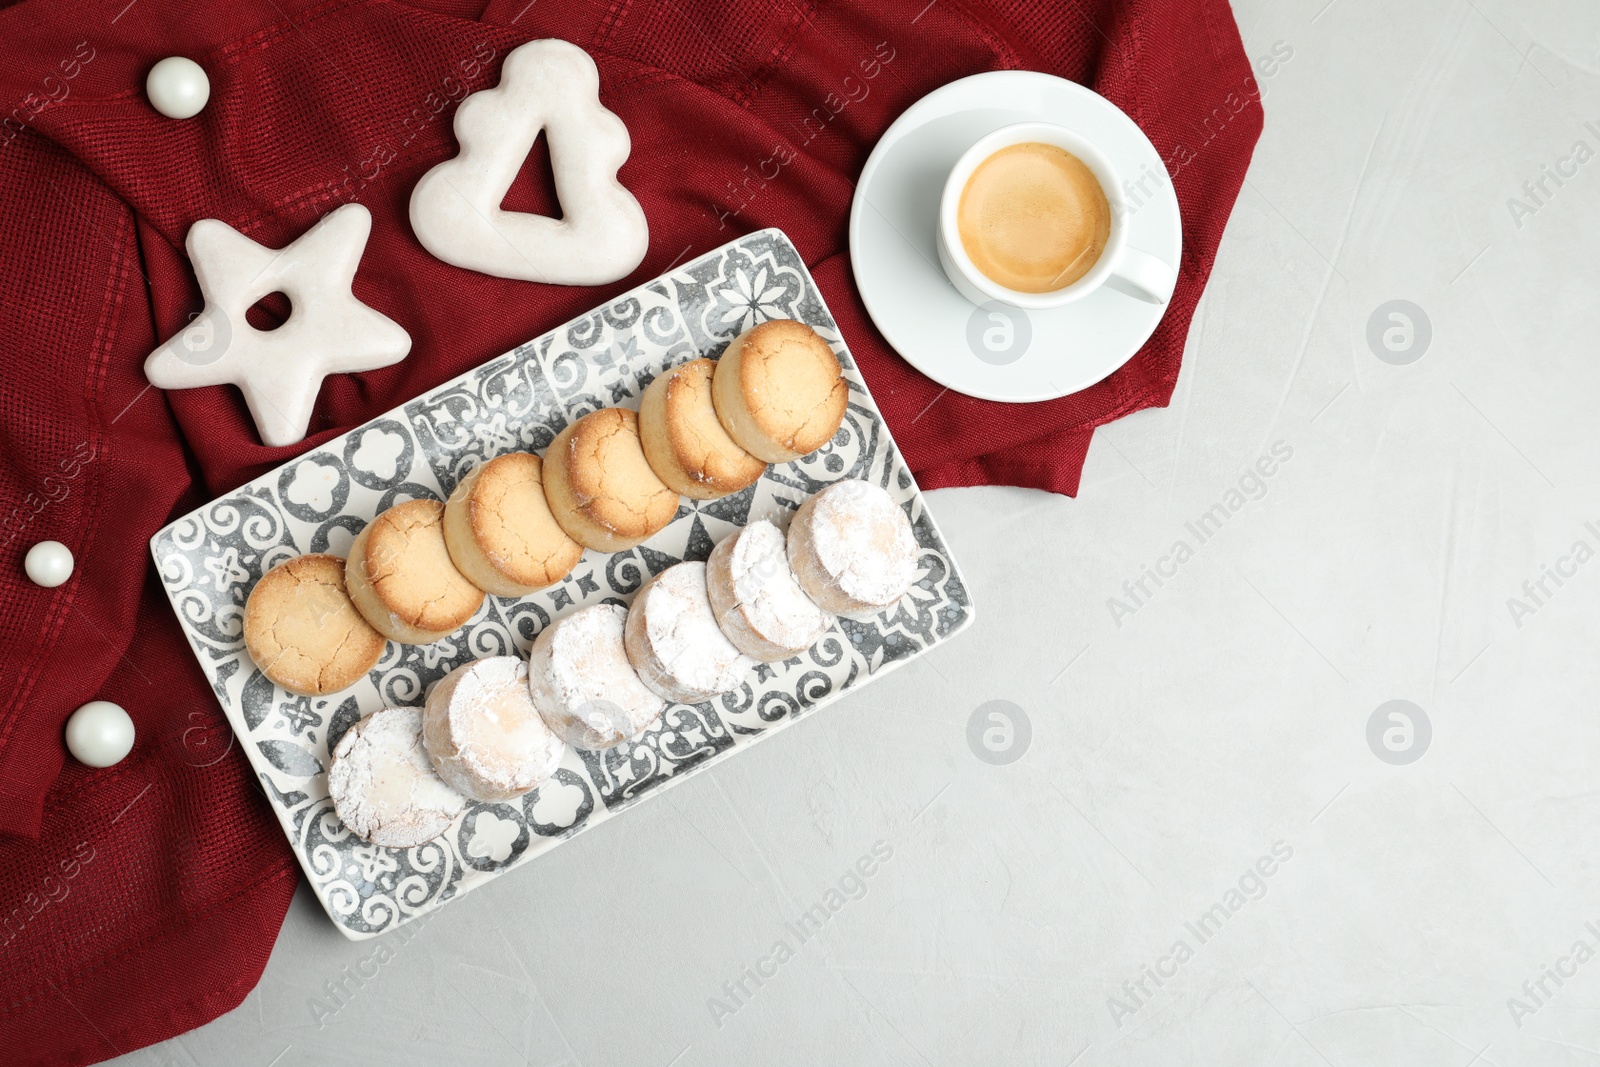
point(402, 579)
point(500, 532)
point(779, 391)
point(303, 631)
point(684, 441)
point(601, 488)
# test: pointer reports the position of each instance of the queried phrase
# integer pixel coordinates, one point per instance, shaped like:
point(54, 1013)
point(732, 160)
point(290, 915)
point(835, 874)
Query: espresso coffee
point(1033, 218)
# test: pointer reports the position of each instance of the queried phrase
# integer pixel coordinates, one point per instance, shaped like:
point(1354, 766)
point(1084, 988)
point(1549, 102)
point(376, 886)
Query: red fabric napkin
point(140, 901)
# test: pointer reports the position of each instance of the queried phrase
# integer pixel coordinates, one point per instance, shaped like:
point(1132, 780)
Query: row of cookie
point(612, 479)
point(609, 481)
point(498, 727)
point(518, 524)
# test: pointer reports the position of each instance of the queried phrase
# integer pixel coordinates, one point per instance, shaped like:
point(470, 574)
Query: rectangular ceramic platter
point(210, 559)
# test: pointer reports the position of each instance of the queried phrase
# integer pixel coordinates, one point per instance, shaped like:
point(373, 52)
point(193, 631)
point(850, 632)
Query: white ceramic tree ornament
point(553, 86)
point(279, 371)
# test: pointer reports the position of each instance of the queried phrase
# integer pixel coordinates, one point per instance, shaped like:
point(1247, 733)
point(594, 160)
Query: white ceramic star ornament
point(553, 86)
point(279, 371)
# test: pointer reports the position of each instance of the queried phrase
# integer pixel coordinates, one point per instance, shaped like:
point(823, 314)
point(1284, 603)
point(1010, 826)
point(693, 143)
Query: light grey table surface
point(1215, 726)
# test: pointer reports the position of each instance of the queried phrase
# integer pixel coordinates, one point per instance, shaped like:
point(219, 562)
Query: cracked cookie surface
point(582, 683)
point(756, 599)
point(401, 577)
point(500, 532)
point(599, 485)
point(303, 631)
point(673, 640)
point(779, 391)
point(686, 444)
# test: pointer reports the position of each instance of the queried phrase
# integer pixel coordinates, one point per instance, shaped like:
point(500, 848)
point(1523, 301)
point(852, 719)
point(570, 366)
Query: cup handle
point(1142, 275)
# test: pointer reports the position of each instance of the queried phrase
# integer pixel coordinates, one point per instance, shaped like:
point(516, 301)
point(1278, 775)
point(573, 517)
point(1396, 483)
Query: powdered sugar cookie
point(583, 684)
point(674, 642)
point(852, 549)
point(755, 597)
point(483, 734)
point(382, 785)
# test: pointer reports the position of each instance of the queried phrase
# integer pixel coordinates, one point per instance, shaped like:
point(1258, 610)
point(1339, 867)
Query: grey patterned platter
point(211, 558)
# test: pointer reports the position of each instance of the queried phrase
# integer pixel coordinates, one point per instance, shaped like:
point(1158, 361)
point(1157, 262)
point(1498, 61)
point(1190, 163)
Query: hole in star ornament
point(328, 331)
point(270, 312)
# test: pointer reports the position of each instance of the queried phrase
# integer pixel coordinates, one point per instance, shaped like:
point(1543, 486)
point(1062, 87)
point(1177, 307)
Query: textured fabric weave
point(140, 901)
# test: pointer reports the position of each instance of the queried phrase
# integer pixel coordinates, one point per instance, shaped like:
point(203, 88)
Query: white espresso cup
point(1129, 270)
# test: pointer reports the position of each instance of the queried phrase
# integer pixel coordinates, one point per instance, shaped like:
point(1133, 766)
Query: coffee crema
point(1033, 218)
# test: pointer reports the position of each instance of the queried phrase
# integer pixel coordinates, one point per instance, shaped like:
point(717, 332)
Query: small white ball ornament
point(178, 87)
point(48, 564)
point(99, 734)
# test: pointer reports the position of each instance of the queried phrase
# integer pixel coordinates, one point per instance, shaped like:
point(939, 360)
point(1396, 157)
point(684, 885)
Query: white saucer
point(994, 352)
